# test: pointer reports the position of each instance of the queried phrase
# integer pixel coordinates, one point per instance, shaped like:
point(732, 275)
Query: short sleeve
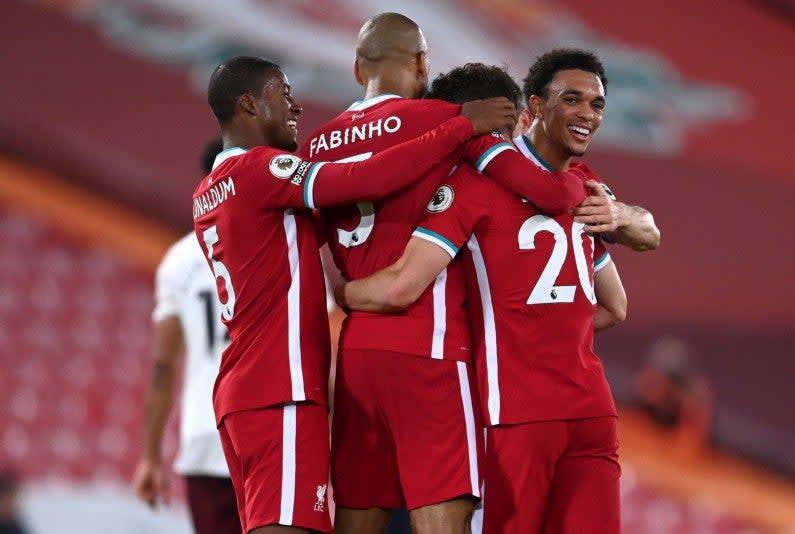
point(481, 150)
point(167, 286)
point(601, 257)
point(453, 212)
point(285, 180)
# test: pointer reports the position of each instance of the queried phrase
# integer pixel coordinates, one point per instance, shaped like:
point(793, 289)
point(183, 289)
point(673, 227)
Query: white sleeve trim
point(436, 239)
point(601, 262)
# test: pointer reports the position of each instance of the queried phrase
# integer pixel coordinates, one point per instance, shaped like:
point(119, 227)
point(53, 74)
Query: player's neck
point(383, 85)
point(243, 138)
point(544, 149)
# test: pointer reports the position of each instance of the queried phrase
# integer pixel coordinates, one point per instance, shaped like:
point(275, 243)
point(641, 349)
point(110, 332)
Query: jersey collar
point(524, 146)
point(359, 105)
point(226, 154)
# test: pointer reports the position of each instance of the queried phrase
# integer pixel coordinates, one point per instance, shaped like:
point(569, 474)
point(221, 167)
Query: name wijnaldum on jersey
point(213, 198)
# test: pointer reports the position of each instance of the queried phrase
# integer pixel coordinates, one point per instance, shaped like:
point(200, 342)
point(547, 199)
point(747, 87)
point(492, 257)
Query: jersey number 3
point(357, 236)
point(545, 290)
point(219, 269)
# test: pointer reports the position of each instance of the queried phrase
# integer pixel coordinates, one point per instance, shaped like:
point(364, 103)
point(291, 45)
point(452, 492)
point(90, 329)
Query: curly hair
point(540, 73)
point(474, 81)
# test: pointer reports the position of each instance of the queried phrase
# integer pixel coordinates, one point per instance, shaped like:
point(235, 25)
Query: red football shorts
point(279, 463)
point(404, 432)
point(556, 477)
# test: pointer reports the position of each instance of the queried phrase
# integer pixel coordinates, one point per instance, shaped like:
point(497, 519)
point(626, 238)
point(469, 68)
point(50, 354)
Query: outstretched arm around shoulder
point(553, 192)
point(399, 285)
point(330, 184)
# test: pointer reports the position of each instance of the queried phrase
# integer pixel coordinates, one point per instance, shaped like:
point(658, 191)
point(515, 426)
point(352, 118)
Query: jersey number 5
point(219, 269)
point(545, 290)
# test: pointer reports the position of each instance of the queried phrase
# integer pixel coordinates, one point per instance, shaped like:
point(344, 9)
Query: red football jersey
point(252, 220)
point(370, 236)
point(264, 252)
point(531, 298)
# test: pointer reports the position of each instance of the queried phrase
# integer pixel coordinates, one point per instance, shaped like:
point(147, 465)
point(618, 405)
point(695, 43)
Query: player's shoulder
point(336, 123)
point(395, 105)
point(280, 163)
point(470, 175)
point(584, 169)
point(589, 174)
point(466, 173)
point(466, 190)
point(466, 180)
point(226, 162)
point(259, 153)
point(440, 108)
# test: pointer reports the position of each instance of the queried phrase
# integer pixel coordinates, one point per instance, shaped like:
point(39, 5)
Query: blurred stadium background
point(102, 117)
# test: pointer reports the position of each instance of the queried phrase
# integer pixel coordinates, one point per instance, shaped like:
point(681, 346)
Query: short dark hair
point(473, 81)
point(547, 65)
point(234, 78)
point(211, 149)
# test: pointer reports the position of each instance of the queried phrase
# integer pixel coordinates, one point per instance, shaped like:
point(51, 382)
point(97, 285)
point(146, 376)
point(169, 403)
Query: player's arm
point(631, 226)
point(432, 247)
point(554, 193)
point(150, 482)
point(635, 228)
point(399, 285)
point(611, 299)
point(330, 184)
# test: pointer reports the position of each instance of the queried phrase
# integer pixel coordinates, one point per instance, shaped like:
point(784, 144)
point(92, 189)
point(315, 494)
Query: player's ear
point(423, 66)
point(535, 103)
point(357, 73)
point(248, 103)
point(524, 122)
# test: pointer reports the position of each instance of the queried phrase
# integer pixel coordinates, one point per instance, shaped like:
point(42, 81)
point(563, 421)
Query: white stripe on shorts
point(469, 418)
point(288, 465)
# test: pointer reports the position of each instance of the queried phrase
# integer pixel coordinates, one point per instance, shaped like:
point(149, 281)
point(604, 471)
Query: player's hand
point(491, 114)
point(598, 211)
point(149, 483)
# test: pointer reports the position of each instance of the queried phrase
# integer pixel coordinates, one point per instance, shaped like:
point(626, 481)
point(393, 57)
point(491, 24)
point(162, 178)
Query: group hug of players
point(477, 274)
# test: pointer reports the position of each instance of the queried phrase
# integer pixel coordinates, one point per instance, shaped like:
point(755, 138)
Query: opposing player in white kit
point(187, 314)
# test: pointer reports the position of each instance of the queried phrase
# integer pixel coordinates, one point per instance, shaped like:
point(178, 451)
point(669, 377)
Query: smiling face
point(279, 112)
point(569, 116)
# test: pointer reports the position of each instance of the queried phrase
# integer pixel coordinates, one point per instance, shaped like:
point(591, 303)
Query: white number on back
point(360, 234)
point(219, 269)
point(545, 290)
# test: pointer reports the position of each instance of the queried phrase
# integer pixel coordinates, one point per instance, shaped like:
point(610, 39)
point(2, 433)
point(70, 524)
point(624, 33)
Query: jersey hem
point(219, 419)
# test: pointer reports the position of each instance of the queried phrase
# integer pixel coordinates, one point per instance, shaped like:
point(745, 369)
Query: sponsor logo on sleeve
point(300, 173)
point(283, 165)
point(441, 199)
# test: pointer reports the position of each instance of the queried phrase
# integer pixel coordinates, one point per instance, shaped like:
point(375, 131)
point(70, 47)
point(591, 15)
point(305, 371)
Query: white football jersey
point(185, 288)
